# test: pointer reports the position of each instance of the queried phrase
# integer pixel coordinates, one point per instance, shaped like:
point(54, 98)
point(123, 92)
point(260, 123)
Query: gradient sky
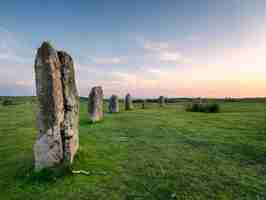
point(192, 48)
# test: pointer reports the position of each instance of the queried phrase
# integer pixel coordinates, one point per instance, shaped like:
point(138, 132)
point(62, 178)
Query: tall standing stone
point(161, 101)
point(58, 108)
point(70, 126)
point(95, 104)
point(114, 104)
point(128, 102)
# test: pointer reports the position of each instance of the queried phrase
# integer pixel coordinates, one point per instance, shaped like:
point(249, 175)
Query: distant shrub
point(7, 102)
point(213, 108)
point(203, 107)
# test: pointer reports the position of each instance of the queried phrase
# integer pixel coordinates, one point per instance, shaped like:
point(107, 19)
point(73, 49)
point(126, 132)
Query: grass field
point(156, 153)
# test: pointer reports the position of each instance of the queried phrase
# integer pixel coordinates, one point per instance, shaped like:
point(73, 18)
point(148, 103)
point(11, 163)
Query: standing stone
point(161, 101)
point(128, 102)
point(143, 102)
point(198, 100)
point(95, 104)
point(70, 126)
point(114, 104)
point(58, 108)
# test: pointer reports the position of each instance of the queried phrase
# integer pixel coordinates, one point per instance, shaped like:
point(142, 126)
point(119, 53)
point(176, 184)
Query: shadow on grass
point(27, 174)
point(86, 122)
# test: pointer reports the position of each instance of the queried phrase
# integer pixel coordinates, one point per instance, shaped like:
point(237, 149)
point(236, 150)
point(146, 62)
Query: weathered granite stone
point(95, 104)
point(48, 148)
point(128, 102)
point(70, 126)
point(114, 104)
point(58, 106)
point(161, 101)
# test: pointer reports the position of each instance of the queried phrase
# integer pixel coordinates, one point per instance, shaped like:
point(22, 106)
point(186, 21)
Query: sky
point(149, 48)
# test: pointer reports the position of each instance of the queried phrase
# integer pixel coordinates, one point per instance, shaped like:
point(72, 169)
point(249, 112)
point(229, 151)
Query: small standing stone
point(58, 108)
point(143, 102)
point(95, 104)
point(128, 102)
point(161, 101)
point(114, 104)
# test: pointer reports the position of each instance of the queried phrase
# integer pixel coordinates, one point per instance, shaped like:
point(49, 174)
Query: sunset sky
point(175, 48)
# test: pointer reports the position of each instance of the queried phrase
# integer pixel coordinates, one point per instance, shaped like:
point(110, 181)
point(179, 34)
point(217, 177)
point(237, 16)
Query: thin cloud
point(13, 57)
point(169, 56)
point(164, 52)
point(156, 46)
point(193, 38)
point(10, 48)
point(24, 83)
point(154, 70)
point(106, 61)
point(16, 65)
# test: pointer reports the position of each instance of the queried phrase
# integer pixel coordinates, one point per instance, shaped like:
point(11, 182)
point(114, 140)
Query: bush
point(7, 102)
point(203, 107)
point(213, 108)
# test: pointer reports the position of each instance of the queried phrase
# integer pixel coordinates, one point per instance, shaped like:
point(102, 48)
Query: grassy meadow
point(154, 154)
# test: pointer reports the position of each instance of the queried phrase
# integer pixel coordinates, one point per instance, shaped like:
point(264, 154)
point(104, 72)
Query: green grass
point(156, 153)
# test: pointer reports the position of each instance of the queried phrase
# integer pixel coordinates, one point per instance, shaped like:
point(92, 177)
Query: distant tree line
point(33, 99)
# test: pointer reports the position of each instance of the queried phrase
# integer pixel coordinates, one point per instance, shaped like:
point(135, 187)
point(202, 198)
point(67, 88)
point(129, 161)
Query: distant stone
point(114, 104)
point(198, 100)
point(161, 101)
point(128, 102)
point(95, 104)
point(143, 104)
point(58, 108)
